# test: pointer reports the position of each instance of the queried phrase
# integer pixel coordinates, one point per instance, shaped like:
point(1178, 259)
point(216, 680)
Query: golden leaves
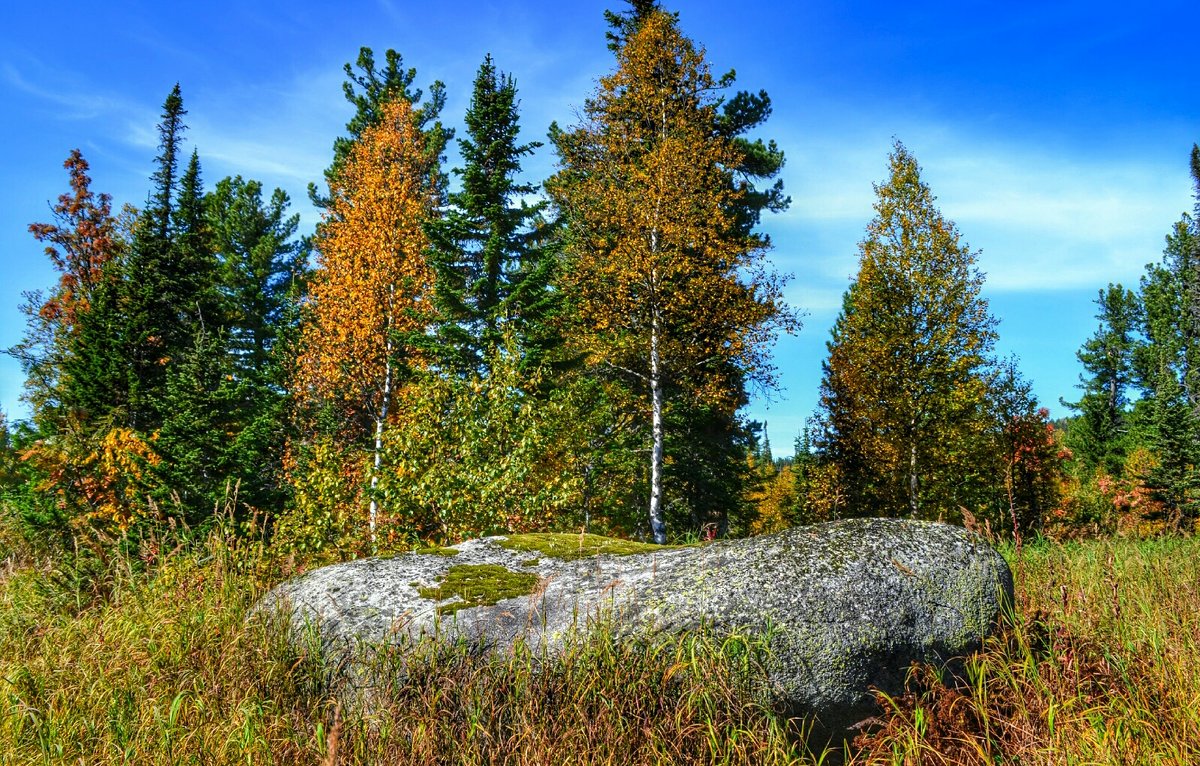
point(372, 281)
point(645, 183)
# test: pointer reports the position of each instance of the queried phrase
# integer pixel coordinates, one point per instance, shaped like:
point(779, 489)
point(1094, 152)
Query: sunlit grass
point(1100, 665)
point(149, 658)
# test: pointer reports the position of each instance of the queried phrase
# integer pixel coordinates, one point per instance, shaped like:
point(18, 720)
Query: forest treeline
point(458, 351)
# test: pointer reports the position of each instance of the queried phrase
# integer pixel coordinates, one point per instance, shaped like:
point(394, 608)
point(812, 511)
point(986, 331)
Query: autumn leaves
point(655, 288)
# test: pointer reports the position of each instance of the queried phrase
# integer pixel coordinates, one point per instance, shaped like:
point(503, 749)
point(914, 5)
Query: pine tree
point(489, 252)
point(666, 290)
point(903, 399)
point(369, 90)
point(1099, 436)
point(261, 265)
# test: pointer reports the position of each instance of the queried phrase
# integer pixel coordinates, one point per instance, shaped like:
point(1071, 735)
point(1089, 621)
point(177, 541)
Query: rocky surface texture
point(846, 606)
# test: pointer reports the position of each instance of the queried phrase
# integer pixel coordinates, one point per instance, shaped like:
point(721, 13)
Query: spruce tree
point(368, 89)
point(489, 253)
point(262, 273)
point(1099, 437)
point(168, 276)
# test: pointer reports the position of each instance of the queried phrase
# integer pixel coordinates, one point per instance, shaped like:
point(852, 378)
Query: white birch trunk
point(381, 418)
point(657, 528)
point(912, 479)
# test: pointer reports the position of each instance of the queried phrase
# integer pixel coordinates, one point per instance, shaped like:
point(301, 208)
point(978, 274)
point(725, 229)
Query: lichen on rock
point(572, 547)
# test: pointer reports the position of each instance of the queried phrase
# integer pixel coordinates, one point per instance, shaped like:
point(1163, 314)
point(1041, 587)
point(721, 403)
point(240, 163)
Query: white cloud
point(1043, 221)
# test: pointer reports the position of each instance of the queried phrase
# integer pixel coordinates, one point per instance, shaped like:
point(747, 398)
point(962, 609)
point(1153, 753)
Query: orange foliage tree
point(370, 291)
point(662, 286)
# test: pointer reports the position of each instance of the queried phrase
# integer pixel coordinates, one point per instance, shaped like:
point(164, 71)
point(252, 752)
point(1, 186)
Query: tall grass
point(148, 657)
point(158, 664)
point(1099, 664)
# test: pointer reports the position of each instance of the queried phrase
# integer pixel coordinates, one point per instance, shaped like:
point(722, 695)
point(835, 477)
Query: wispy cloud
point(1043, 221)
point(73, 104)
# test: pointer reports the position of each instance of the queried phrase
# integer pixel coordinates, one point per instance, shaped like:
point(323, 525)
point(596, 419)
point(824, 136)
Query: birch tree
point(370, 291)
point(663, 287)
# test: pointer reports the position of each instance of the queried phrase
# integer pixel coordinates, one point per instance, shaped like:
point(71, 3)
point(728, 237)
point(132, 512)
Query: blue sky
point(1055, 135)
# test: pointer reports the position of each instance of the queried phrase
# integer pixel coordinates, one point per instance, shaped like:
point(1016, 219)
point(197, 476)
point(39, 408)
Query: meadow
point(147, 656)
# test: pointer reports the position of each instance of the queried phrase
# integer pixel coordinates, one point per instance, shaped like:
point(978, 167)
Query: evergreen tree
point(368, 90)
point(169, 274)
point(1168, 367)
point(199, 418)
point(1099, 436)
point(489, 253)
point(262, 269)
point(903, 399)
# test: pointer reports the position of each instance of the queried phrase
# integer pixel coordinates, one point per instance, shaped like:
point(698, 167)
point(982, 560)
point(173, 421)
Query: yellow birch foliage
point(372, 282)
point(644, 182)
point(904, 396)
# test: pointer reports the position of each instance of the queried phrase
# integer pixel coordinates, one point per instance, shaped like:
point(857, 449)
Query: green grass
point(149, 658)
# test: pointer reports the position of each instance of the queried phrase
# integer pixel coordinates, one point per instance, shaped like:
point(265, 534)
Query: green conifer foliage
point(368, 89)
point(1100, 436)
point(490, 251)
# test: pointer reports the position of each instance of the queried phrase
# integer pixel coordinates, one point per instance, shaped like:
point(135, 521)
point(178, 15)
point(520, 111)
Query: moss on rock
point(569, 547)
point(436, 551)
point(479, 585)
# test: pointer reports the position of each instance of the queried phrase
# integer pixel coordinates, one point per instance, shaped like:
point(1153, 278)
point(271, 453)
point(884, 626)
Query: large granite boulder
point(847, 605)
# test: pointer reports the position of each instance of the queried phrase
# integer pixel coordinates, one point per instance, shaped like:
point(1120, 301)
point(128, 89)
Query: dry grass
point(149, 659)
point(1101, 665)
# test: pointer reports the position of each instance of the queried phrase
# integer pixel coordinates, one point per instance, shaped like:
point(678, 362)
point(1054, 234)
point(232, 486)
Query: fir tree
point(1099, 435)
point(488, 251)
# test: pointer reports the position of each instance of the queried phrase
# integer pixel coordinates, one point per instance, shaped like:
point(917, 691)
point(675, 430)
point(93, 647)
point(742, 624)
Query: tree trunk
point(381, 418)
point(657, 528)
point(912, 479)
